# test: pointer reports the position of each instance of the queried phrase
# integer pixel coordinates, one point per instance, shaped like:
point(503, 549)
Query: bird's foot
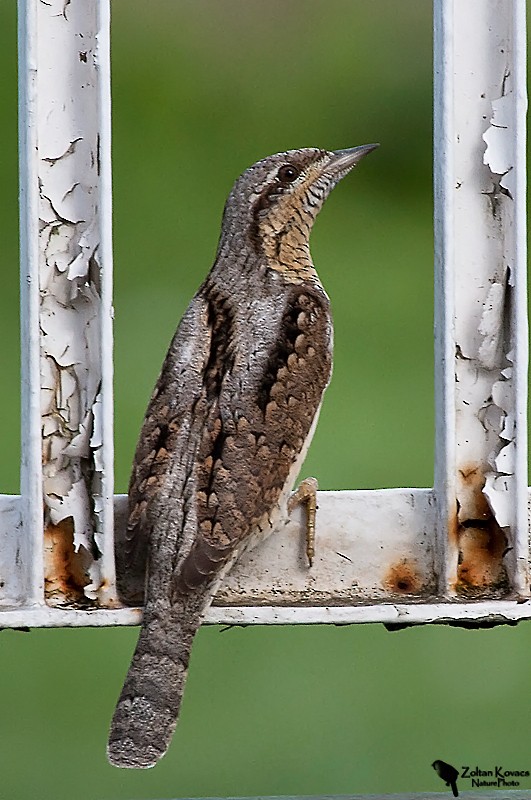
point(306, 493)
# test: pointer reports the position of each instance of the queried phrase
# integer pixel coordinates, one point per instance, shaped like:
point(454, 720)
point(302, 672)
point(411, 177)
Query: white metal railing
point(459, 551)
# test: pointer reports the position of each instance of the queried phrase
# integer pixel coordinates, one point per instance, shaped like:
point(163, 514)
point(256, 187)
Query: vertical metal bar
point(443, 169)
point(520, 323)
point(67, 299)
point(105, 533)
point(480, 322)
point(31, 534)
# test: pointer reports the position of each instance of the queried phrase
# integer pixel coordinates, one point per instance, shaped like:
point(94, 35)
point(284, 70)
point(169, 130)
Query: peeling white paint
point(69, 170)
point(481, 323)
point(499, 157)
point(499, 492)
point(499, 137)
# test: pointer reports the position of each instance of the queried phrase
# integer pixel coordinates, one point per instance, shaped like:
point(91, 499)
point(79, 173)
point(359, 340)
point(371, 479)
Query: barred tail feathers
point(148, 708)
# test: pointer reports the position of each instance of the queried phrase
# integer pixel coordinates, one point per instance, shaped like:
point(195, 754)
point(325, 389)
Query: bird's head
point(277, 200)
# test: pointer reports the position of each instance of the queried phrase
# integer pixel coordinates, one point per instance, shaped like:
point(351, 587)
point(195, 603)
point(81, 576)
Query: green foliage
point(201, 90)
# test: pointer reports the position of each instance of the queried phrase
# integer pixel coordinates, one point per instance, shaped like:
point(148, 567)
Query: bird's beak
point(342, 161)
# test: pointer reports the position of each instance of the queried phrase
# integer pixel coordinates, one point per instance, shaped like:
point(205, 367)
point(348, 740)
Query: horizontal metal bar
point(371, 546)
point(374, 563)
point(485, 613)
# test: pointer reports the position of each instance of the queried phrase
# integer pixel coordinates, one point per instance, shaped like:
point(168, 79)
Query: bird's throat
point(288, 252)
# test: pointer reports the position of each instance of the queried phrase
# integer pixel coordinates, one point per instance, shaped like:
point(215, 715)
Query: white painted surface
point(480, 300)
point(359, 550)
point(103, 434)
point(26, 574)
point(66, 272)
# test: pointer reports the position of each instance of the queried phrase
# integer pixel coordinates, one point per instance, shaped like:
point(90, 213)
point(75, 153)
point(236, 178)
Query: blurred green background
point(201, 90)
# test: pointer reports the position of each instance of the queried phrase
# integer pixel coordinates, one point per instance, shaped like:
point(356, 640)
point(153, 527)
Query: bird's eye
point(288, 173)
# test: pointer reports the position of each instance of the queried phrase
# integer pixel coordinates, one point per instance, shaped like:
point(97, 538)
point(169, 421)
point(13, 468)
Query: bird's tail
point(146, 713)
point(453, 784)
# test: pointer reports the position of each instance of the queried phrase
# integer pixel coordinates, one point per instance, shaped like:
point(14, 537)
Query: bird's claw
point(306, 493)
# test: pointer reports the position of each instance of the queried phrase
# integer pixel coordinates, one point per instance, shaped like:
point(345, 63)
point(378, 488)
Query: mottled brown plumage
point(226, 429)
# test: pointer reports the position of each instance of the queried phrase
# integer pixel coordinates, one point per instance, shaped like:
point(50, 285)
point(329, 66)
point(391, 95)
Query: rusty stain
point(65, 570)
point(480, 541)
point(403, 578)
point(480, 569)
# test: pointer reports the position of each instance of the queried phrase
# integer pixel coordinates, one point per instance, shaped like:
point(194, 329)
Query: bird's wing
point(230, 414)
point(258, 419)
point(164, 441)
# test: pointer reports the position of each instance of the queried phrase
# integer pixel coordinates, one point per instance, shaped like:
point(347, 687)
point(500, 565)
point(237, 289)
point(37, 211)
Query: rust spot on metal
point(480, 541)
point(65, 571)
point(480, 570)
point(403, 578)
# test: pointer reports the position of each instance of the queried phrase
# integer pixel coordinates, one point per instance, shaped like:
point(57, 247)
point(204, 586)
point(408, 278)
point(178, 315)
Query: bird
point(226, 430)
point(448, 774)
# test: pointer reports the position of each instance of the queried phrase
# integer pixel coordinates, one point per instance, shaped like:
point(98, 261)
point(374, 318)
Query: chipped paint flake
point(498, 491)
point(499, 137)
